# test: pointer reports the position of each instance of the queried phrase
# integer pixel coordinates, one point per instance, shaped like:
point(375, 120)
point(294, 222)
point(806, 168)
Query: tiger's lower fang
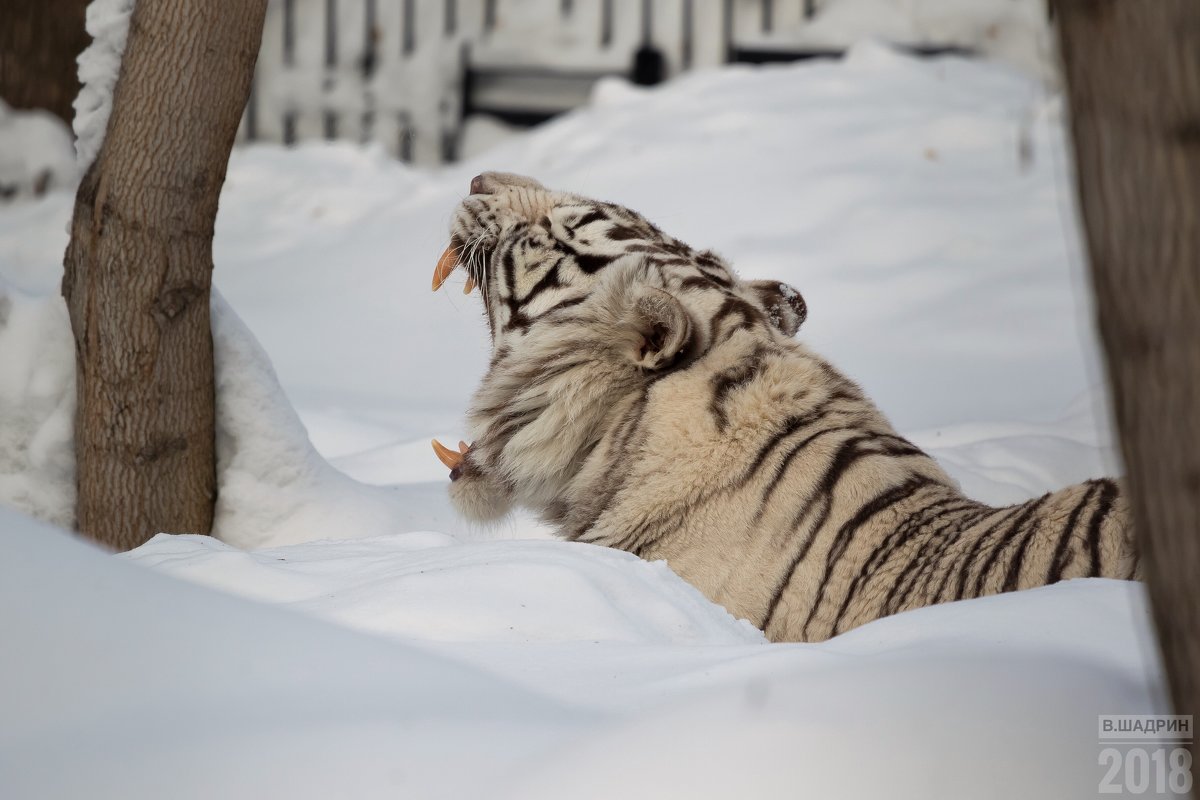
point(452, 459)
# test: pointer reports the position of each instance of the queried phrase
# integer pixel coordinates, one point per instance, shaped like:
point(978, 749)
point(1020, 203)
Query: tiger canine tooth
point(469, 285)
point(447, 456)
point(445, 266)
point(463, 447)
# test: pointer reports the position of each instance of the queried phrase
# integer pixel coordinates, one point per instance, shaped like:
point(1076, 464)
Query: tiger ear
point(662, 326)
point(784, 305)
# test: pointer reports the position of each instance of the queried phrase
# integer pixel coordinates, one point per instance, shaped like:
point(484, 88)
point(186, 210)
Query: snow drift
point(148, 686)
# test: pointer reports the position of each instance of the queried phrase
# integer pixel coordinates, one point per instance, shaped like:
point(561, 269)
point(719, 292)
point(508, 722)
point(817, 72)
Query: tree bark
point(1133, 78)
point(138, 271)
point(39, 42)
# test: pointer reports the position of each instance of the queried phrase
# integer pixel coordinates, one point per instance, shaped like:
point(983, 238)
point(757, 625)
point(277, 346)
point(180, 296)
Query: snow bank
point(428, 586)
point(37, 404)
point(1016, 32)
point(273, 486)
point(153, 687)
point(99, 65)
point(149, 687)
point(954, 722)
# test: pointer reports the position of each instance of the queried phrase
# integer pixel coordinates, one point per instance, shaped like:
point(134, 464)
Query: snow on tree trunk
point(1133, 71)
point(138, 271)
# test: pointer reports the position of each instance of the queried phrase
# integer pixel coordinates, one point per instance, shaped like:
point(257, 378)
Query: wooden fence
point(406, 73)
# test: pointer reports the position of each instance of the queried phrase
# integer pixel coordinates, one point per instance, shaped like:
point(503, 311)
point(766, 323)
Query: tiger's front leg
point(475, 492)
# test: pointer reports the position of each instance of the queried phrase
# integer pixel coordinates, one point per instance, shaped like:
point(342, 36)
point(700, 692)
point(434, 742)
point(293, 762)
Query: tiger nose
point(493, 182)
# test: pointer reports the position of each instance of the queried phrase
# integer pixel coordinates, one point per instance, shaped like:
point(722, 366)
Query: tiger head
point(588, 305)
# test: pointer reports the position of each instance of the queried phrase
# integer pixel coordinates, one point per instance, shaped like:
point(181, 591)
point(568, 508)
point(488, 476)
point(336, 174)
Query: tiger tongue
point(445, 266)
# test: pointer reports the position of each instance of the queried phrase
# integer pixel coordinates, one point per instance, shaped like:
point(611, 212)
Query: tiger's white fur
point(642, 396)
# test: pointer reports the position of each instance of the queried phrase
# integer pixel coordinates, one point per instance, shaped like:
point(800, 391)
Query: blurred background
point(434, 81)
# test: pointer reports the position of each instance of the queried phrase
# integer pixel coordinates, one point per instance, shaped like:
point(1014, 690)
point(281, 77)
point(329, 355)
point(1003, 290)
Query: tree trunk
point(139, 269)
point(1133, 77)
point(39, 42)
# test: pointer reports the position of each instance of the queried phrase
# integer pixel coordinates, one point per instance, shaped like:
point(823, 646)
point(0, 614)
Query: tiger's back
point(766, 479)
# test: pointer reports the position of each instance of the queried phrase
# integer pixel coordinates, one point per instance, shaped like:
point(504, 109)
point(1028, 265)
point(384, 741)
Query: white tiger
point(642, 396)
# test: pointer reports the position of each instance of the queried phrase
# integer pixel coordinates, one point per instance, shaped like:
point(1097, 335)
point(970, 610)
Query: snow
point(268, 471)
point(99, 64)
point(35, 153)
point(356, 680)
point(1012, 31)
point(37, 404)
point(369, 643)
point(148, 687)
point(432, 587)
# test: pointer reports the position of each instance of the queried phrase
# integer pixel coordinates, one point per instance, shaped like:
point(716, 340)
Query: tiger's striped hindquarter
point(643, 396)
point(936, 546)
point(766, 479)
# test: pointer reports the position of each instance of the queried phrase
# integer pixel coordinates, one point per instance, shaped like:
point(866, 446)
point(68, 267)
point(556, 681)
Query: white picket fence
point(396, 71)
point(404, 72)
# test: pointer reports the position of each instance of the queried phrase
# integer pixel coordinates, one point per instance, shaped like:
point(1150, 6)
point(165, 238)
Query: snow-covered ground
point(371, 644)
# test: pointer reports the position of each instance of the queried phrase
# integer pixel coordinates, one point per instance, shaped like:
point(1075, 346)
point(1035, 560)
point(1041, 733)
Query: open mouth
point(452, 258)
point(449, 261)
